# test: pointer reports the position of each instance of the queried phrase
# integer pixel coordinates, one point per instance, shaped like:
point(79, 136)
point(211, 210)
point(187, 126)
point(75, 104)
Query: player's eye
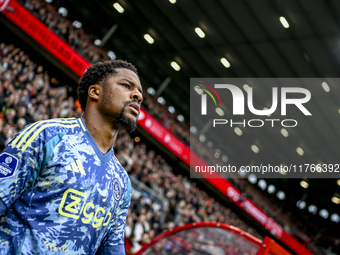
point(127, 85)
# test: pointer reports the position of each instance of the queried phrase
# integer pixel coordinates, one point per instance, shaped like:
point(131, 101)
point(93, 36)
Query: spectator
point(22, 113)
point(145, 240)
point(21, 123)
point(139, 228)
point(4, 136)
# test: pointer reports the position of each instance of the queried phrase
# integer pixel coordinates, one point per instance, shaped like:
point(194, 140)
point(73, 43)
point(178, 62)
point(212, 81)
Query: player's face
point(121, 99)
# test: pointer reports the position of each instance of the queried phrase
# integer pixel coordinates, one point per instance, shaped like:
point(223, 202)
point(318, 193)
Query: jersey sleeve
point(113, 243)
point(20, 164)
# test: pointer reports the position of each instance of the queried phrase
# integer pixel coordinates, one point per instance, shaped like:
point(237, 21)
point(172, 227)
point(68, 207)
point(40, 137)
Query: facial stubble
point(123, 122)
point(120, 119)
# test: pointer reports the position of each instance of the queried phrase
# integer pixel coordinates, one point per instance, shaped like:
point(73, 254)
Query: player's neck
point(101, 131)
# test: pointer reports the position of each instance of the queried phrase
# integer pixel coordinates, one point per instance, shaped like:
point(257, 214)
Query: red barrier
point(46, 38)
point(214, 225)
point(236, 238)
point(64, 52)
point(270, 246)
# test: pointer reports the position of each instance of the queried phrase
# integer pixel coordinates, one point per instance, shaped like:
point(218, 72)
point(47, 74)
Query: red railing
point(187, 237)
point(270, 246)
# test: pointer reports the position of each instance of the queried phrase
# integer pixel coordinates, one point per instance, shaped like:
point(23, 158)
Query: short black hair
point(98, 74)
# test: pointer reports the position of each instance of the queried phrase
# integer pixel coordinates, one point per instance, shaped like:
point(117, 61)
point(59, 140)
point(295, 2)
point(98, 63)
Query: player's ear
point(94, 91)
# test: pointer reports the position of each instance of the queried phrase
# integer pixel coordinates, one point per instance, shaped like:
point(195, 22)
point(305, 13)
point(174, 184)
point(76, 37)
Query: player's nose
point(137, 95)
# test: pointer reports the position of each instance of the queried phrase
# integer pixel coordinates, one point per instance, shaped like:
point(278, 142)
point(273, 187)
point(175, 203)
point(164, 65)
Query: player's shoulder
point(122, 172)
point(55, 126)
point(117, 161)
point(43, 131)
point(121, 168)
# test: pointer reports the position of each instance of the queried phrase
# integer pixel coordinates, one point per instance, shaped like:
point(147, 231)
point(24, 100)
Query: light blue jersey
point(59, 194)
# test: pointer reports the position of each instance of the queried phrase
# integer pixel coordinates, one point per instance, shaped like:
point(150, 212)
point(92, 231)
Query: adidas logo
point(76, 167)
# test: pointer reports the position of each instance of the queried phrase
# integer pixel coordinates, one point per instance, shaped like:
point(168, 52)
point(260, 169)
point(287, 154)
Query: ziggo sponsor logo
point(70, 210)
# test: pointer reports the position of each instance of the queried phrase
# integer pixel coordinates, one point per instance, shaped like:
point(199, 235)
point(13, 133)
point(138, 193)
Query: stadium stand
point(28, 94)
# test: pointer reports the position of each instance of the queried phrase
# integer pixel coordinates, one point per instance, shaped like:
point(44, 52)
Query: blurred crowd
point(188, 203)
point(84, 45)
point(273, 207)
point(75, 37)
point(28, 94)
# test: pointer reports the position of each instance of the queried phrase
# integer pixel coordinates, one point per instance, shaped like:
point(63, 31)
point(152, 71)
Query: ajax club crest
point(117, 189)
